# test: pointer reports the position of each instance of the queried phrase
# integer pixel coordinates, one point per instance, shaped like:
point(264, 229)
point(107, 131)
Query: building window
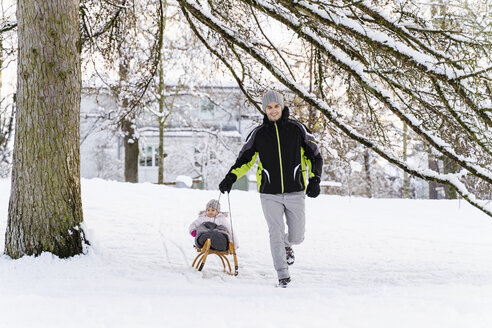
point(149, 156)
point(206, 108)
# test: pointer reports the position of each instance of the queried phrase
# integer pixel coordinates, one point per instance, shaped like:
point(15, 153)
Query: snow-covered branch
point(8, 26)
point(356, 69)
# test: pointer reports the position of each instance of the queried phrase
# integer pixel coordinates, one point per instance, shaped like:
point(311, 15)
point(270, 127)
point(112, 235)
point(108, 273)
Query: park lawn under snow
point(364, 263)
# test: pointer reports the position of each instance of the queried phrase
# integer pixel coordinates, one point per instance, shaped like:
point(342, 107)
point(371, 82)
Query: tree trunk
point(162, 120)
point(45, 209)
point(433, 165)
point(160, 160)
point(131, 151)
point(1, 62)
point(367, 170)
point(406, 189)
point(130, 140)
point(160, 164)
point(450, 166)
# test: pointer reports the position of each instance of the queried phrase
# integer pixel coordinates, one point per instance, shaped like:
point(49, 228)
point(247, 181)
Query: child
point(213, 224)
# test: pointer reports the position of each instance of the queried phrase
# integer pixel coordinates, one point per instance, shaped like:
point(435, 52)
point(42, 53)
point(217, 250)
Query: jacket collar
point(281, 120)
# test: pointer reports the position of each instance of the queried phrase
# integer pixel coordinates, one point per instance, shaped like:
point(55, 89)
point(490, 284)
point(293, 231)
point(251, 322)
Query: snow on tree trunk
point(45, 209)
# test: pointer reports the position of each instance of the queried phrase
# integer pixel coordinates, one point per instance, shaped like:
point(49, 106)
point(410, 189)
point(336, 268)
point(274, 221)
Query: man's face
point(273, 111)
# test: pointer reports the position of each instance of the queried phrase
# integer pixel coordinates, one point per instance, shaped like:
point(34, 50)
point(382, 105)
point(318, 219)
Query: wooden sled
point(205, 251)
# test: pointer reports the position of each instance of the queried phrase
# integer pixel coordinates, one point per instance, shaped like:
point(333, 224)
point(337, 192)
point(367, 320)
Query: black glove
point(226, 184)
point(313, 187)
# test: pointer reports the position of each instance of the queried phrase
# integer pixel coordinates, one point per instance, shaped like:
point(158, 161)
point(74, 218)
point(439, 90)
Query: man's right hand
point(226, 184)
point(313, 189)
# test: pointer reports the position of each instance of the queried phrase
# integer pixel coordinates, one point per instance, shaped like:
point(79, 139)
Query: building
point(203, 134)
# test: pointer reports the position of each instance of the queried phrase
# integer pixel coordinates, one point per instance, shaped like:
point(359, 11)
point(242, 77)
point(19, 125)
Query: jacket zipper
point(280, 159)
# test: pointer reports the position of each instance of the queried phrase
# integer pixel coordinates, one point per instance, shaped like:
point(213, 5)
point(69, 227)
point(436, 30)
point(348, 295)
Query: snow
point(420, 58)
point(330, 184)
point(184, 180)
point(355, 166)
point(364, 263)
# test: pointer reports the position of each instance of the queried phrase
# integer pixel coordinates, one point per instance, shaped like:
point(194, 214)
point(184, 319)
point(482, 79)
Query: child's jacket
point(220, 220)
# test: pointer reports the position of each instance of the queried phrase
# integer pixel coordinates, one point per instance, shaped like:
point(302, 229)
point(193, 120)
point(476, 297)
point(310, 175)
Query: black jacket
point(287, 153)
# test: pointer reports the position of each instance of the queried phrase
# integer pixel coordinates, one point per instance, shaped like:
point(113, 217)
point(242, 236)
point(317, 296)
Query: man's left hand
point(313, 189)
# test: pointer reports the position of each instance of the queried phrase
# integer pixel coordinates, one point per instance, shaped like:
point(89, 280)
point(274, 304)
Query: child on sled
point(213, 224)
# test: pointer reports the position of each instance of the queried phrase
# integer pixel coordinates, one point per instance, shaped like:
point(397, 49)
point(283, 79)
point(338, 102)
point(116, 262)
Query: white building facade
point(203, 134)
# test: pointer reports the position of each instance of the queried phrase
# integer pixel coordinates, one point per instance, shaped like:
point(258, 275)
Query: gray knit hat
point(213, 203)
point(271, 96)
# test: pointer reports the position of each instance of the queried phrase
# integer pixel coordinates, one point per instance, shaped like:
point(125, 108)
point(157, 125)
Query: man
point(285, 149)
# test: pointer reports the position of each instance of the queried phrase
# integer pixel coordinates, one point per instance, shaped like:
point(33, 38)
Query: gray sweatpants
point(274, 207)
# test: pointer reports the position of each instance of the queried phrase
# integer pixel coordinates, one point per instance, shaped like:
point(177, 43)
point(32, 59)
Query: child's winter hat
point(213, 203)
point(272, 96)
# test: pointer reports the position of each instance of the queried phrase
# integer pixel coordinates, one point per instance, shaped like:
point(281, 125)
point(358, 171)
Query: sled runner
point(206, 250)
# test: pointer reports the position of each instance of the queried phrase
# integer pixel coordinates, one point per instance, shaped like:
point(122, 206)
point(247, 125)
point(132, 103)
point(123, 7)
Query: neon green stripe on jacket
point(306, 162)
point(240, 171)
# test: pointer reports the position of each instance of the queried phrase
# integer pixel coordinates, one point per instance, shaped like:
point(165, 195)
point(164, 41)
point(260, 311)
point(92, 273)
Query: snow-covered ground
point(364, 263)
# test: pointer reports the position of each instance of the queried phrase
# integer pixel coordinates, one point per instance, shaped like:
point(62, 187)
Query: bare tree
point(7, 99)
point(161, 90)
point(7, 114)
point(127, 118)
point(45, 209)
point(396, 64)
point(126, 35)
